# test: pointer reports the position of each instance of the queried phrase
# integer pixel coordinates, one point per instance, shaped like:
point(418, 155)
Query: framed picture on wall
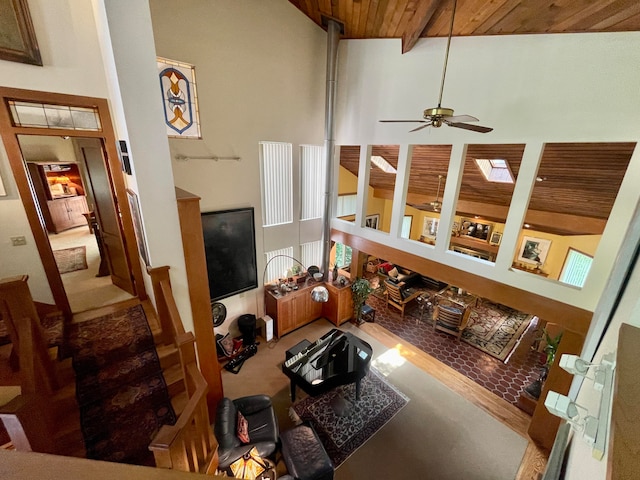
point(18, 40)
point(138, 226)
point(495, 238)
point(534, 250)
point(371, 221)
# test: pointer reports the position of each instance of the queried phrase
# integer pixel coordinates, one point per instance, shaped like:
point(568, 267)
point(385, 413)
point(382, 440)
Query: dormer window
point(496, 170)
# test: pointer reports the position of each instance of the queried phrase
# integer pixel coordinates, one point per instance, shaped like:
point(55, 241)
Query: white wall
point(72, 64)
point(532, 89)
point(260, 71)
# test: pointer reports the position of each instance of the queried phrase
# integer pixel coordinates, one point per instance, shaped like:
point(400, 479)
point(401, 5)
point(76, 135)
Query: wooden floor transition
point(534, 460)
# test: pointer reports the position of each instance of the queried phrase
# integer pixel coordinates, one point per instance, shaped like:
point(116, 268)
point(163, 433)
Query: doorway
point(104, 175)
point(63, 187)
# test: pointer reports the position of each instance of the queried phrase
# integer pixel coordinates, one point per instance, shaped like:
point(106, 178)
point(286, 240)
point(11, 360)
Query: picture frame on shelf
point(371, 221)
point(534, 250)
point(495, 238)
point(18, 42)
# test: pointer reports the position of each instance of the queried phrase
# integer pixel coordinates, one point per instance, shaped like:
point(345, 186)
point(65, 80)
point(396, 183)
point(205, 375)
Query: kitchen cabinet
point(339, 308)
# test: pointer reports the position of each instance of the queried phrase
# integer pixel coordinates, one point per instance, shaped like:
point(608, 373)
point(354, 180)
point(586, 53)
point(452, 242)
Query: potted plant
point(360, 291)
point(535, 388)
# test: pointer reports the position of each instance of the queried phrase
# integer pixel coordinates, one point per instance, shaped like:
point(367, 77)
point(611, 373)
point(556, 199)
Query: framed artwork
point(18, 40)
point(371, 221)
point(430, 227)
point(3, 192)
point(534, 250)
point(495, 238)
point(138, 226)
point(179, 98)
point(479, 230)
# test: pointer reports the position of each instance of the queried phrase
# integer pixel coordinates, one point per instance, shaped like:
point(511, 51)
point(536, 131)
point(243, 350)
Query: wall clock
point(219, 313)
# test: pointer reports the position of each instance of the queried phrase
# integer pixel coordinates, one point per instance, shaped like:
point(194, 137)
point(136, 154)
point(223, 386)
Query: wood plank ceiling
point(580, 181)
point(578, 185)
point(411, 20)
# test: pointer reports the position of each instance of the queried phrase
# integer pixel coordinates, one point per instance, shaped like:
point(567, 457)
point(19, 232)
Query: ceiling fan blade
point(420, 127)
point(402, 121)
point(475, 128)
point(460, 118)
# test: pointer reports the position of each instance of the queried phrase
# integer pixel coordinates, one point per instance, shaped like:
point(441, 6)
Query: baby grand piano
point(336, 358)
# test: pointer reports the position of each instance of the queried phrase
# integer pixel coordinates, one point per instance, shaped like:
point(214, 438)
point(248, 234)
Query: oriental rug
point(495, 329)
point(121, 392)
point(71, 259)
point(343, 435)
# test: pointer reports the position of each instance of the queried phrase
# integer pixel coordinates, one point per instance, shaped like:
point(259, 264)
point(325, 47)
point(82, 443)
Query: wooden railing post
point(27, 424)
point(37, 370)
point(160, 276)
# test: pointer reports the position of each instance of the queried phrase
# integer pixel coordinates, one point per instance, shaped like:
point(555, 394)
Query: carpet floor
point(121, 392)
point(437, 435)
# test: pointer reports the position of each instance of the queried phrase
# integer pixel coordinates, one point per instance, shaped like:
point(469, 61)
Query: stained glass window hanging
point(179, 98)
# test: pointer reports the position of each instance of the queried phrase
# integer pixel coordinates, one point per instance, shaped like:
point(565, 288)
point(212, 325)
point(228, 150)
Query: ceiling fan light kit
point(435, 117)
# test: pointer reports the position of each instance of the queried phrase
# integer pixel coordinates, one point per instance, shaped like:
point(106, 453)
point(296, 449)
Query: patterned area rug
point(341, 436)
point(71, 259)
point(121, 392)
point(495, 329)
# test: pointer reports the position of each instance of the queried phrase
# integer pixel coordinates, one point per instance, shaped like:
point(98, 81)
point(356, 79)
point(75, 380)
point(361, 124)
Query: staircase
point(45, 417)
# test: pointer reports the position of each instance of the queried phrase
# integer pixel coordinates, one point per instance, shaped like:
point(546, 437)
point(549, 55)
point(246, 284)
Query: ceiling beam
point(424, 12)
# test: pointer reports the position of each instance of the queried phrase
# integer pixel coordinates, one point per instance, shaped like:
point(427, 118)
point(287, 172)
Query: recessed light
point(540, 179)
point(526, 225)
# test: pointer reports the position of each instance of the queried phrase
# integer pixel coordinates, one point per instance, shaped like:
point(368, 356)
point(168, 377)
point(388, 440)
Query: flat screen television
point(230, 249)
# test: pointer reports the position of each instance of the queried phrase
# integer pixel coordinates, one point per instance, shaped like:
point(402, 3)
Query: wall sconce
point(594, 429)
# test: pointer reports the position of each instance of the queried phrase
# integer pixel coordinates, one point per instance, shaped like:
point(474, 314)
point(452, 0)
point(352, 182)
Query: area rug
point(495, 329)
point(71, 259)
point(121, 392)
point(341, 436)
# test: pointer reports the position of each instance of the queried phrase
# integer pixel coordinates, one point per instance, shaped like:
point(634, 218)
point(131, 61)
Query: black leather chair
point(263, 428)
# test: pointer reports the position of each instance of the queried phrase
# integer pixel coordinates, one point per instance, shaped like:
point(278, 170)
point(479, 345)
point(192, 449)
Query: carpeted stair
point(121, 392)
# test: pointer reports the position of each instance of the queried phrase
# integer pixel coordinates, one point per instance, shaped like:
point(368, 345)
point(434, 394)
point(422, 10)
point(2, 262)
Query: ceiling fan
point(435, 117)
point(434, 206)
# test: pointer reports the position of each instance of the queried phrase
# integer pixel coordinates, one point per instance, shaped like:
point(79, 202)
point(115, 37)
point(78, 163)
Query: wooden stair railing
point(189, 445)
point(37, 370)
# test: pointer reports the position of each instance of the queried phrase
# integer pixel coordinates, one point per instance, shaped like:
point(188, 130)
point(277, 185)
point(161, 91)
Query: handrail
point(189, 445)
point(166, 307)
point(37, 370)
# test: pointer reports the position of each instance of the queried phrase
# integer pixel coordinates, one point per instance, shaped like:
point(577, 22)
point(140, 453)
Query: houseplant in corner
point(535, 388)
point(360, 291)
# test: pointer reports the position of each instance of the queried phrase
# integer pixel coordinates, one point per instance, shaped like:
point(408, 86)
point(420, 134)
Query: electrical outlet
point(17, 241)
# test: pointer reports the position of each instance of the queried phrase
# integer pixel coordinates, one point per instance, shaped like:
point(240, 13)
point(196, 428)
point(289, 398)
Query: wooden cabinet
point(292, 310)
point(339, 308)
point(295, 309)
point(67, 212)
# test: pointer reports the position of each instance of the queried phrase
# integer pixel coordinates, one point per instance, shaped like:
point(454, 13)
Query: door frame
point(9, 134)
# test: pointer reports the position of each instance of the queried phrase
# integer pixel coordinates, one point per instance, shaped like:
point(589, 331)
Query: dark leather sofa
point(263, 428)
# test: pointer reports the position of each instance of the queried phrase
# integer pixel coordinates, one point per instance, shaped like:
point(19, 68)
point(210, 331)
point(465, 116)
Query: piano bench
point(304, 455)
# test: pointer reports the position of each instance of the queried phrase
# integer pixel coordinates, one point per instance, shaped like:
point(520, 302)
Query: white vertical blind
point(311, 253)
point(312, 178)
point(279, 265)
point(576, 268)
point(346, 205)
point(276, 168)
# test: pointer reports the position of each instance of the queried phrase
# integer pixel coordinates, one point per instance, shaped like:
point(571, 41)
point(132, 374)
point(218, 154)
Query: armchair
point(262, 428)
point(398, 296)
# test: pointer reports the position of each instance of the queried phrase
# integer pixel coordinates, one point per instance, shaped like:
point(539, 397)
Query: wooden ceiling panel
point(413, 19)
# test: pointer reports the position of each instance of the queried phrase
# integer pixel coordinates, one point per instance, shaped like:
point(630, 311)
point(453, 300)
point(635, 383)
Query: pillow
point(393, 272)
point(242, 429)
point(405, 271)
point(225, 345)
point(385, 267)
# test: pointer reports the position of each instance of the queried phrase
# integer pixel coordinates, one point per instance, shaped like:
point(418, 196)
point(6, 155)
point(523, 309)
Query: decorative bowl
point(317, 276)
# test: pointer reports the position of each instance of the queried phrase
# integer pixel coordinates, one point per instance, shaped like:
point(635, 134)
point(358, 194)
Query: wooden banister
point(189, 445)
point(27, 424)
point(170, 321)
point(37, 370)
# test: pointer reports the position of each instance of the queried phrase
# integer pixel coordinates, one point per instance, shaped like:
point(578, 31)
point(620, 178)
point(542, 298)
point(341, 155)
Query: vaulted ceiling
point(411, 20)
point(578, 182)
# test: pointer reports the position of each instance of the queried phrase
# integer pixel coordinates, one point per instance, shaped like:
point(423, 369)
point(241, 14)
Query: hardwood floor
point(534, 460)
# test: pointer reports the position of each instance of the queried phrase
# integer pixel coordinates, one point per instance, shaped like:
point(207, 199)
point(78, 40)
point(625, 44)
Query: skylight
point(495, 170)
point(382, 164)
